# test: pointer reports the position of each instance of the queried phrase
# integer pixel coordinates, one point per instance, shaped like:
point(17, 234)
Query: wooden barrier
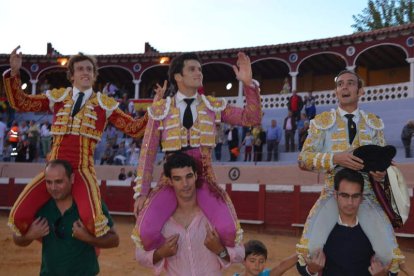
point(273, 198)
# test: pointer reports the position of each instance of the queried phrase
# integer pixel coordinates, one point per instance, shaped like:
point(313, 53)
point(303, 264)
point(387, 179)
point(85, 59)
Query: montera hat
point(376, 158)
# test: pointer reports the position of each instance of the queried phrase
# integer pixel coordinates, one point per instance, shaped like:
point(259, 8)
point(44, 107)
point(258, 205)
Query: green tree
point(384, 13)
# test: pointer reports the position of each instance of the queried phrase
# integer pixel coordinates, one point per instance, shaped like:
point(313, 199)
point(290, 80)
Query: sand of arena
point(120, 261)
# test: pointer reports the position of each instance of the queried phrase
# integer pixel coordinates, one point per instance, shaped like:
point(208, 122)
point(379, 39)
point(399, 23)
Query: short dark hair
point(60, 162)
point(178, 160)
point(255, 247)
point(349, 175)
point(177, 65)
point(360, 82)
point(77, 58)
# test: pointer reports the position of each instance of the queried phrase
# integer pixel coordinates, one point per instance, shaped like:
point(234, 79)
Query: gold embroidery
point(108, 102)
point(324, 120)
point(339, 147)
point(57, 93)
point(215, 102)
point(374, 120)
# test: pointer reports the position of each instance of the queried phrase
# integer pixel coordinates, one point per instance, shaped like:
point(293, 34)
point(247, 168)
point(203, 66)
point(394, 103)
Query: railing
point(388, 92)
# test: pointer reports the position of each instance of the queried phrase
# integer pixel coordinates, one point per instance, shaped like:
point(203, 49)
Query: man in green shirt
point(67, 247)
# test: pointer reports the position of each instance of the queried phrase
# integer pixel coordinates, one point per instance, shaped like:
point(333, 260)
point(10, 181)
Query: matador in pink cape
point(187, 122)
point(79, 119)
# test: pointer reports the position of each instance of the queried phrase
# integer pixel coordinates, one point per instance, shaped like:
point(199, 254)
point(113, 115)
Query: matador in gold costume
point(80, 116)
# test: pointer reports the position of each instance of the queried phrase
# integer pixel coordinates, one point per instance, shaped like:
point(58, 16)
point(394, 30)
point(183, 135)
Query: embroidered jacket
point(328, 135)
point(164, 122)
point(89, 122)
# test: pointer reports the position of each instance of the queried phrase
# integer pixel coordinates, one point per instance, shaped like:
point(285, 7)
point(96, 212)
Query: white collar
point(343, 112)
point(180, 97)
point(88, 93)
point(346, 225)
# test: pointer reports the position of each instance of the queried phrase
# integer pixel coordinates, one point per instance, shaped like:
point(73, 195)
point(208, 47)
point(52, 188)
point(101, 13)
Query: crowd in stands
point(30, 141)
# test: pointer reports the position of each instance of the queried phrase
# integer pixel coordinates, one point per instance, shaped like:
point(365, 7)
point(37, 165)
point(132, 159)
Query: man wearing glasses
point(348, 250)
point(331, 140)
point(67, 247)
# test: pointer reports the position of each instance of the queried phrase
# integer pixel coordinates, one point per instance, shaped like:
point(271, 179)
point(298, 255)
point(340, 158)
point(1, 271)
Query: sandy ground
point(120, 261)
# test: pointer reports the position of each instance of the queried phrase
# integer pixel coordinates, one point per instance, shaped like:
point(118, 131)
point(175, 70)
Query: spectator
point(220, 139)
point(122, 175)
point(8, 152)
point(33, 135)
point(133, 154)
point(286, 87)
point(131, 108)
point(44, 86)
point(108, 155)
point(310, 107)
point(23, 130)
point(192, 245)
point(130, 176)
point(22, 151)
point(289, 125)
point(233, 141)
point(45, 138)
point(259, 137)
point(347, 251)
point(406, 136)
point(110, 89)
point(302, 130)
point(111, 134)
point(255, 261)
point(123, 104)
point(295, 105)
point(303, 134)
point(274, 135)
point(248, 143)
point(67, 247)
point(3, 129)
point(120, 154)
point(14, 137)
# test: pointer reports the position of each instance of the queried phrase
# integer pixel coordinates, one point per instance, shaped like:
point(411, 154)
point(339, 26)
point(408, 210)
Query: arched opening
point(6, 112)
point(219, 80)
point(149, 78)
point(50, 78)
point(317, 72)
point(24, 76)
point(383, 64)
point(116, 79)
point(271, 73)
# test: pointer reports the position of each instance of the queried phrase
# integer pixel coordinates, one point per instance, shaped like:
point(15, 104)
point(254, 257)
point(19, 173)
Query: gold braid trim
point(136, 238)
point(107, 103)
point(89, 178)
point(23, 195)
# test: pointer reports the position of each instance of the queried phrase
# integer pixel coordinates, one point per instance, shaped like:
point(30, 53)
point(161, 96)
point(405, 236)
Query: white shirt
point(44, 131)
point(355, 113)
point(182, 105)
point(289, 123)
point(347, 225)
point(88, 94)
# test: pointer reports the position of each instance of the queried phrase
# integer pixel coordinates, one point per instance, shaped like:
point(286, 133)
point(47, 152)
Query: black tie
point(78, 104)
point(188, 115)
point(351, 128)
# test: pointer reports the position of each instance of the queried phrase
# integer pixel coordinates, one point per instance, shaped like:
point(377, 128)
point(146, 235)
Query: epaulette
point(373, 121)
point(107, 103)
point(58, 94)
point(214, 104)
point(159, 109)
point(325, 120)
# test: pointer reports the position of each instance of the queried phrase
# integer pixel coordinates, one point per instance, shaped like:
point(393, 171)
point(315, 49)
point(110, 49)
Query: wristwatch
point(223, 254)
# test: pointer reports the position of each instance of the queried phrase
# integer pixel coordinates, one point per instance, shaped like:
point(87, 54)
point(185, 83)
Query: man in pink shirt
point(192, 246)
